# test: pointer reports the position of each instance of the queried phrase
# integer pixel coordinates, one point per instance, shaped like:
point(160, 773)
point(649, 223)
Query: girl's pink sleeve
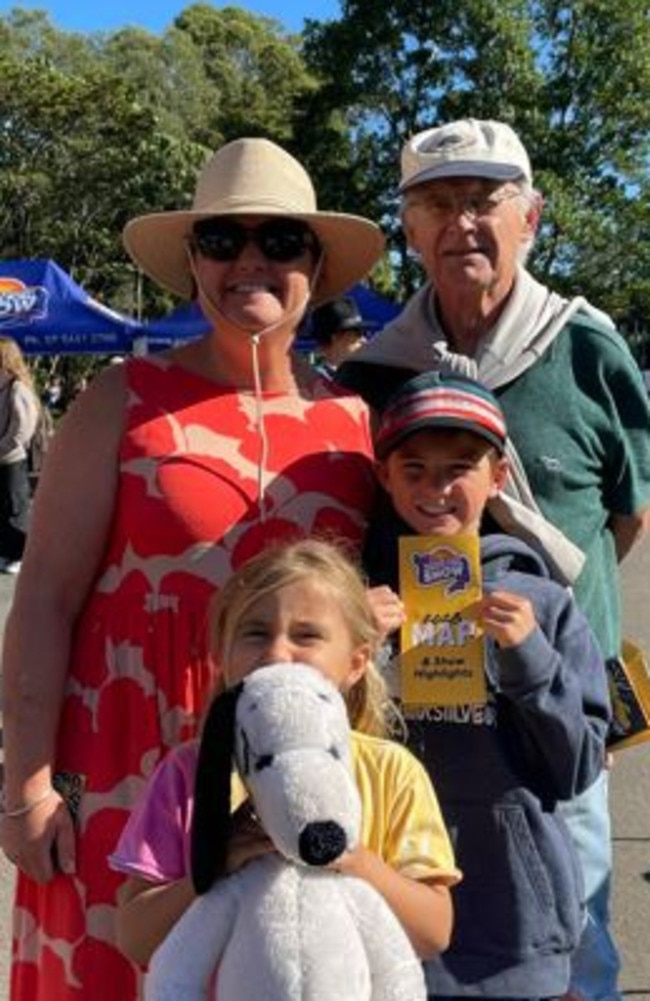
point(155, 843)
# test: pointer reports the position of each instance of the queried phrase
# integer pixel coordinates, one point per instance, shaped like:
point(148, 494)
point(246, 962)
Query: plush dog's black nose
point(321, 842)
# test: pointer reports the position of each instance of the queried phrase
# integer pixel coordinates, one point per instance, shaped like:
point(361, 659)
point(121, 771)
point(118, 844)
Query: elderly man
point(574, 400)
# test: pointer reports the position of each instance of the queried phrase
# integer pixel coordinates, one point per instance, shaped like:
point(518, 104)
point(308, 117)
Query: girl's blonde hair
point(313, 560)
point(13, 362)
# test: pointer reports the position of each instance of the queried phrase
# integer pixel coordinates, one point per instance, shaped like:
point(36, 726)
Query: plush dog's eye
point(264, 761)
point(334, 751)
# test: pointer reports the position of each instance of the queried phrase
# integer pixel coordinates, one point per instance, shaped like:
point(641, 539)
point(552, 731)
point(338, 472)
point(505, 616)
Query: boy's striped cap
point(432, 400)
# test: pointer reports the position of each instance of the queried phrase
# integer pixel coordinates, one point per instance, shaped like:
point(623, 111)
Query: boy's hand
point(508, 618)
point(387, 608)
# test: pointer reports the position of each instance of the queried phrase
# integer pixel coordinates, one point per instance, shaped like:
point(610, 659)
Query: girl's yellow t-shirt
point(401, 818)
point(401, 821)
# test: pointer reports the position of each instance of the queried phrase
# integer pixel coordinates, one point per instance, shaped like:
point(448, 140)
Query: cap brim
point(157, 243)
point(464, 168)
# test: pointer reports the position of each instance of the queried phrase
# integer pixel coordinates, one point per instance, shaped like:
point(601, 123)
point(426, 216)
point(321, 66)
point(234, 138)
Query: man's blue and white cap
point(467, 148)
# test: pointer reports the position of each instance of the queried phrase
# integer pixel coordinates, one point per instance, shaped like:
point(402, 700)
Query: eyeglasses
point(280, 240)
point(476, 206)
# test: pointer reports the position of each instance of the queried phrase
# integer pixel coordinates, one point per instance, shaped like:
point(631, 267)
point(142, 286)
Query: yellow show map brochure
point(629, 687)
point(442, 658)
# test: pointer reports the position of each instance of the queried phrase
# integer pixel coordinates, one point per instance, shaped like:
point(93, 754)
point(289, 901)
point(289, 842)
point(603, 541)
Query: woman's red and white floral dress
point(200, 491)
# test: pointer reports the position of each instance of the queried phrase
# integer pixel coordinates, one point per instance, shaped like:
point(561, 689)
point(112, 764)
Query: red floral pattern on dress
point(188, 511)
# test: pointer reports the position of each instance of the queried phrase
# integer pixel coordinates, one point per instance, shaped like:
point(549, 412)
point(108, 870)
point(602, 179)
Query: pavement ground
point(630, 800)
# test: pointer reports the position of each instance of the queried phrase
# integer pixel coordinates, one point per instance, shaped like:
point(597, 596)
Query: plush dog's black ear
point(211, 821)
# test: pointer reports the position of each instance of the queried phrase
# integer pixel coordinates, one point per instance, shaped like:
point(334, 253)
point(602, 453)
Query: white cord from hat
point(215, 313)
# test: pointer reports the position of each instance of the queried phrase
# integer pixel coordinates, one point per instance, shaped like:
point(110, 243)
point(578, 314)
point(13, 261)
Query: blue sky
point(156, 15)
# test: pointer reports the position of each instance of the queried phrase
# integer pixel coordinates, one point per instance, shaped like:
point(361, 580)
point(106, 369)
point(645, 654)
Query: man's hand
point(628, 529)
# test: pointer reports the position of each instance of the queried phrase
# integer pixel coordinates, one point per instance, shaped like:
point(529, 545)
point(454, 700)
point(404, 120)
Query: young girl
point(297, 602)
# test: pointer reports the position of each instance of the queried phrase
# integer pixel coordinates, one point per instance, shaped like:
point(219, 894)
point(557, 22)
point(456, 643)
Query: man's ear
point(409, 233)
point(533, 214)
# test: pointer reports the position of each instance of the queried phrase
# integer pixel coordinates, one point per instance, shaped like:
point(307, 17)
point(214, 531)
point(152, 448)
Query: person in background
point(53, 394)
point(577, 410)
point(502, 765)
point(19, 411)
point(339, 330)
point(164, 476)
point(302, 602)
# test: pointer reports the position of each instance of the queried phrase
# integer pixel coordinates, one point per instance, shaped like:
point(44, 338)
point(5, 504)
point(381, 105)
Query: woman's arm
point(423, 907)
point(67, 535)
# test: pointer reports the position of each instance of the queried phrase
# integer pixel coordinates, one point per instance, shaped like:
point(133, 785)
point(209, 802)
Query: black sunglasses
point(280, 240)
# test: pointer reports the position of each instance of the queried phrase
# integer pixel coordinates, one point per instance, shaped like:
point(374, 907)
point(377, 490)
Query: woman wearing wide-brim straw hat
point(165, 474)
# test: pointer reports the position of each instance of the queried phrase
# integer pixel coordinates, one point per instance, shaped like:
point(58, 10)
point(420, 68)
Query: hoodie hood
point(505, 554)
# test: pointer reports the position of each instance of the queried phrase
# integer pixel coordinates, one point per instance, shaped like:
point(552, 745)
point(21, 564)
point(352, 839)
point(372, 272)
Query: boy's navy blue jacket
point(499, 770)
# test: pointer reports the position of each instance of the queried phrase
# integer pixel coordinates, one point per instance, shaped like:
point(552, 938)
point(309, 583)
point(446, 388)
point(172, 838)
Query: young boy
point(501, 767)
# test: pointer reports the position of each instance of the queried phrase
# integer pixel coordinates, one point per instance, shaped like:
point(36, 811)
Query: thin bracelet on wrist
point(26, 808)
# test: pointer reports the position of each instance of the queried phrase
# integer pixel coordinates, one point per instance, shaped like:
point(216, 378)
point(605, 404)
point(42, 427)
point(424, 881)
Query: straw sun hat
point(254, 177)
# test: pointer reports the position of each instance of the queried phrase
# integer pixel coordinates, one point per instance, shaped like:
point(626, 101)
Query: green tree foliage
point(96, 129)
point(77, 157)
point(28, 34)
point(79, 154)
point(590, 146)
point(400, 67)
point(168, 74)
point(574, 80)
point(256, 71)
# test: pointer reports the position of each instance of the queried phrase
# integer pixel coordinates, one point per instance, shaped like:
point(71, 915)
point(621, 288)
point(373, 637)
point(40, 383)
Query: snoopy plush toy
point(284, 927)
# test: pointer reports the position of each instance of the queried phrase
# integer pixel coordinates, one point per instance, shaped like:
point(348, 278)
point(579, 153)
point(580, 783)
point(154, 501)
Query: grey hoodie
point(499, 771)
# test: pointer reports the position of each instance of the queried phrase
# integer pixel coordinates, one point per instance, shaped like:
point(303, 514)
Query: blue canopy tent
point(187, 321)
point(47, 313)
point(375, 308)
point(183, 324)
